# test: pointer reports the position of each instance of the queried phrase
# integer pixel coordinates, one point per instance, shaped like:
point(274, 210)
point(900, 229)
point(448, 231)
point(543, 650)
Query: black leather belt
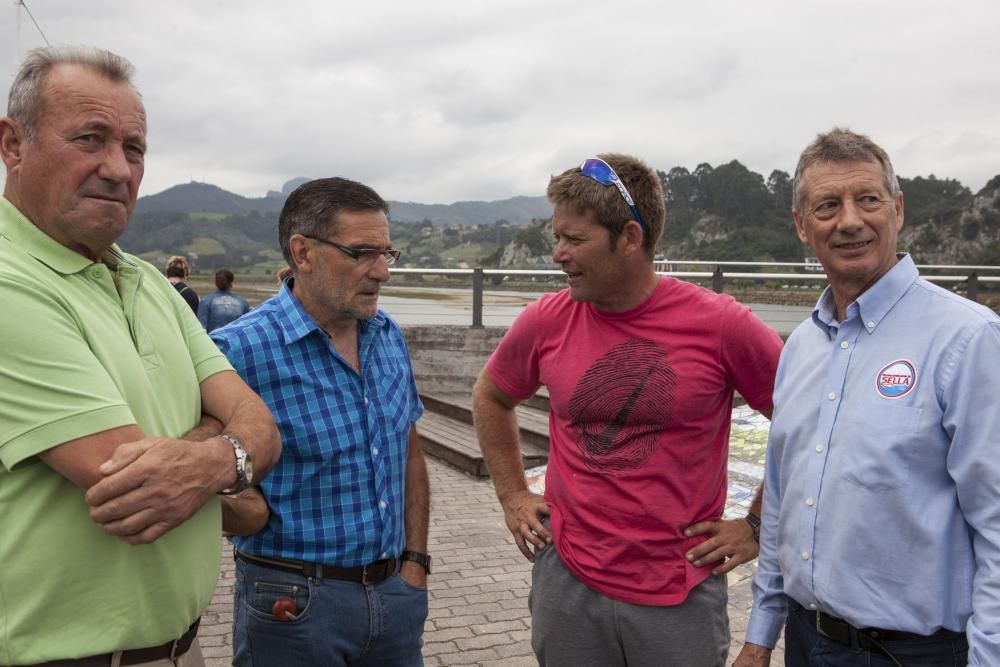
point(870, 639)
point(372, 573)
point(168, 651)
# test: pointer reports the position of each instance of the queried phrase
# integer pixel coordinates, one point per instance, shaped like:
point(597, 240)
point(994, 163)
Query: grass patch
point(203, 245)
point(206, 215)
point(472, 253)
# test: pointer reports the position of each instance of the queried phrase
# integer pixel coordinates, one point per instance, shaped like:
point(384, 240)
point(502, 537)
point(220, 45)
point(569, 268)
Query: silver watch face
point(248, 469)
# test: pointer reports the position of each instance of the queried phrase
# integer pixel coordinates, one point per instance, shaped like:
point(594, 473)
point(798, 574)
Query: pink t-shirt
point(639, 422)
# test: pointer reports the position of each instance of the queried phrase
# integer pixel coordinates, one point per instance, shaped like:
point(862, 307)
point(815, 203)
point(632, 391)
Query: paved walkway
point(479, 589)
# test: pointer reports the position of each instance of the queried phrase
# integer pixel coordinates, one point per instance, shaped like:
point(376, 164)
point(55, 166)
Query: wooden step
point(455, 443)
point(532, 422)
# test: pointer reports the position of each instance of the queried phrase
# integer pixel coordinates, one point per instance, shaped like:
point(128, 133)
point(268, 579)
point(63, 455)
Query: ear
point(302, 253)
point(800, 228)
point(632, 236)
point(12, 142)
point(899, 212)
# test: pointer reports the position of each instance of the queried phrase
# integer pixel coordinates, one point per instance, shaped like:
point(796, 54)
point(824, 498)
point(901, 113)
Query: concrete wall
point(449, 358)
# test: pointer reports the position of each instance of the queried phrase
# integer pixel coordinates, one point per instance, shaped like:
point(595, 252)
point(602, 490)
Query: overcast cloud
point(437, 101)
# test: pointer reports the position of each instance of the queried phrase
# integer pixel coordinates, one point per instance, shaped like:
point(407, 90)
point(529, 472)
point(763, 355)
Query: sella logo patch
point(896, 379)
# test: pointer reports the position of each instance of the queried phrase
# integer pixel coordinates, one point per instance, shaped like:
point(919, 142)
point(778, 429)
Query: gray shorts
point(574, 626)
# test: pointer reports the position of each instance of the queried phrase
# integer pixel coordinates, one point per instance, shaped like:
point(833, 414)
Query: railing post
point(477, 298)
point(972, 287)
point(717, 279)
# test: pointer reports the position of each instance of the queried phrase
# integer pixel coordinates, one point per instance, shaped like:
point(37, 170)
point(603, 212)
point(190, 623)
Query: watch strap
point(754, 522)
point(244, 468)
point(417, 557)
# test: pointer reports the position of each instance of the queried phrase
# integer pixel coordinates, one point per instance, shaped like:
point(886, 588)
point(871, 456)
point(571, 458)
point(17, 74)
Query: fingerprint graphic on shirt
point(621, 405)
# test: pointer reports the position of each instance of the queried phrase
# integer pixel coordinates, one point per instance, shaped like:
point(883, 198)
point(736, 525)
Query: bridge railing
point(721, 271)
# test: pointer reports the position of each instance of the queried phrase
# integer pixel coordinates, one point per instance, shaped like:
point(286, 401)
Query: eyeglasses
point(390, 255)
point(600, 171)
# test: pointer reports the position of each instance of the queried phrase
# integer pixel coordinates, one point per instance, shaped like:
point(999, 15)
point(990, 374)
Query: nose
point(850, 220)
point(559, 254)
point(379, 270)
point(114, 166)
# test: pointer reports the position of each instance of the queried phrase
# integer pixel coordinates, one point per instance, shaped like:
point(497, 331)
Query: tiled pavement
point(478, 592)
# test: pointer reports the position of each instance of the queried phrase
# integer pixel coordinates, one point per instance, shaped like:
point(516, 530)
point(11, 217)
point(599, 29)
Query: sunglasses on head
point(600, 171)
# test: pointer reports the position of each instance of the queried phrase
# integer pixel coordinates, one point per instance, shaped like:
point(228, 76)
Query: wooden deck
point(455, 443)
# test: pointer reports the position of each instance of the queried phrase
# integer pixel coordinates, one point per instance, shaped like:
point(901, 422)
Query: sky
point(437, 102)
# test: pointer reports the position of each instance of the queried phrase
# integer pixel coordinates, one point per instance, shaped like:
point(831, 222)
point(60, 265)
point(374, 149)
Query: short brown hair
point(224, 279)
point(841, 145)
point(584, 194)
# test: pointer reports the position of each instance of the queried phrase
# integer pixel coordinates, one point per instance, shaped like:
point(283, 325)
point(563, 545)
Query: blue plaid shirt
point(336, 495)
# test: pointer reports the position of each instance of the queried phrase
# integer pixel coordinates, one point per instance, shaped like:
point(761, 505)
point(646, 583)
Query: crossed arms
point(140, 486)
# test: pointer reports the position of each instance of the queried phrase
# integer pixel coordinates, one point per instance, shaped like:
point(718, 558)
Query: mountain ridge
point(197, 197)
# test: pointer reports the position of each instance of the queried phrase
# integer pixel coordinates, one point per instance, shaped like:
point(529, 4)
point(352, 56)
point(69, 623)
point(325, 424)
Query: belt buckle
point(819, 625)
point(364, 574)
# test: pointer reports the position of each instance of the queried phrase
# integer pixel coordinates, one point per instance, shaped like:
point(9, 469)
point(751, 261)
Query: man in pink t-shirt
point(641, 372)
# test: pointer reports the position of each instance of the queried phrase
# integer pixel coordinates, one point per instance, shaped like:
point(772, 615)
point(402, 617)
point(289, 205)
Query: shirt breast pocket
point(878, 454)
point(394, 401)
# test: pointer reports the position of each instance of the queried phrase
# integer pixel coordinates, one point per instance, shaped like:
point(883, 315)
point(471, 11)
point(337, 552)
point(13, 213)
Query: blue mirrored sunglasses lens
point(598, 170)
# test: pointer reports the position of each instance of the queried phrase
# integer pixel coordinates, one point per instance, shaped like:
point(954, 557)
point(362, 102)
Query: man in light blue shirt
point(880, 542)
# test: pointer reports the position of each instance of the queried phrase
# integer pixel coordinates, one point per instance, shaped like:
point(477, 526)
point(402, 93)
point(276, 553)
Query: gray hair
point(312, 208)
point(841, 145)
point(25, 100)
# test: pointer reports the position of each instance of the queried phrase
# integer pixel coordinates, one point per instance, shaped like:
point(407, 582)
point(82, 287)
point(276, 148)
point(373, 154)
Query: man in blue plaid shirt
point(332, 568)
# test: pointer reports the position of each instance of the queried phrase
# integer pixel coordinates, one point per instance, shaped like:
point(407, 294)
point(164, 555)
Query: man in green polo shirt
point(109, 518)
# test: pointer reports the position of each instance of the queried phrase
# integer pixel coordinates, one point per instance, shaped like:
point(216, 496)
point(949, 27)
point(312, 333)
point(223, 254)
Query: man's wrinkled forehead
point(86, 89)
point(837, 174)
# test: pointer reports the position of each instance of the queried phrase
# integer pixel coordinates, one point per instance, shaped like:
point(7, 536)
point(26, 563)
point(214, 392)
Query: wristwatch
point(754, 522)
point(244, 467)
point(417, 557)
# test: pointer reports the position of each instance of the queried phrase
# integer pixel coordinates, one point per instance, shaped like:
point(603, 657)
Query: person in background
point(220, 308)
point(178, 271)
point(880, 541)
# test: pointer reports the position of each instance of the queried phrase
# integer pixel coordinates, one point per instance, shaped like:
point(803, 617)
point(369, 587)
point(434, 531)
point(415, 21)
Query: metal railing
point(969, 275)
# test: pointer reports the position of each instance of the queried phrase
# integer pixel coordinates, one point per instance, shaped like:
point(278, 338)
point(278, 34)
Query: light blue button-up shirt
point(882, 501)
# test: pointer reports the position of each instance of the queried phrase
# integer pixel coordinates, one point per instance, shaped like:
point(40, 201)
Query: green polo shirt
point(88, 347)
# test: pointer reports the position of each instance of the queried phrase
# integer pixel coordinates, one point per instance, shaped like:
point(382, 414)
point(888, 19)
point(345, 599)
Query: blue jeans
point(806, 647)
point(338, 623)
